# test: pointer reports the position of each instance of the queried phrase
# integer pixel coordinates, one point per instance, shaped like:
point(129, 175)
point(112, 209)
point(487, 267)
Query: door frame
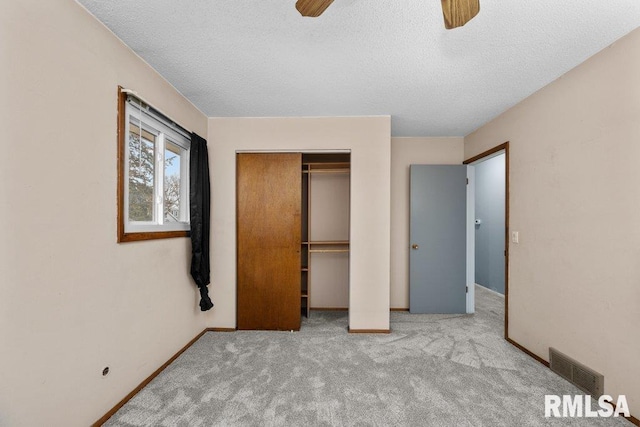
point(483, 156)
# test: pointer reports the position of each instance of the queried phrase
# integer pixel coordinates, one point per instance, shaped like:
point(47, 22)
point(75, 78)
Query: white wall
point(574, 279)
point(368, 138)
point(72, 300)
point(404, 152)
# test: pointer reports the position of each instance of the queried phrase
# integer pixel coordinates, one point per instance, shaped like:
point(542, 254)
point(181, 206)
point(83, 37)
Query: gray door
point(438, 238)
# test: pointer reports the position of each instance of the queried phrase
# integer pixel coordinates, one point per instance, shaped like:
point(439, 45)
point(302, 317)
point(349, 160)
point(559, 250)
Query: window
point(153, 166)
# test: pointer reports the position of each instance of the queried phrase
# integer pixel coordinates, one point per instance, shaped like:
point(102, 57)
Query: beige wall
point(329, 214)
point(404, 152)
point(368, 139)
point(72, 300)
point(575, 276)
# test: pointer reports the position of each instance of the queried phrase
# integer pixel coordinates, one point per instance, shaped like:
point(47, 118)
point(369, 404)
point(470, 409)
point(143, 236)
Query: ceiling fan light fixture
point(312, 8)
point(458, 12)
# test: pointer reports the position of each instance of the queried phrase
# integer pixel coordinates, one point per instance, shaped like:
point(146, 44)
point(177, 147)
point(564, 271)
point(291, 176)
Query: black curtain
point(199, 201)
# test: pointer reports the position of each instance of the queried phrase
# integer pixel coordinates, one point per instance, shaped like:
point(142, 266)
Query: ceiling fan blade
point(312, 8)
point(459, 12)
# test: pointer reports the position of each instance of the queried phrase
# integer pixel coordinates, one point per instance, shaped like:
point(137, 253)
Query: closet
point(292, 237)
point(325, 232)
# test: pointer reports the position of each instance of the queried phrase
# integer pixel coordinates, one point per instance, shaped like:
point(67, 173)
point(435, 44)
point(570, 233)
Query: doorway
point(492, 223)
point(489, 223)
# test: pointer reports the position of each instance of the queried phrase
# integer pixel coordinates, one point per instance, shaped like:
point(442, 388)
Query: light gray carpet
point(432, 370)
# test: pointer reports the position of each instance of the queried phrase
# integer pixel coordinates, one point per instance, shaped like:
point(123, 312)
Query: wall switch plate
point(515, 237)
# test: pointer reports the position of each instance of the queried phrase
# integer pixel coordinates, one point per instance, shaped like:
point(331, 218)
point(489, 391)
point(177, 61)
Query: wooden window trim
point(136, 236)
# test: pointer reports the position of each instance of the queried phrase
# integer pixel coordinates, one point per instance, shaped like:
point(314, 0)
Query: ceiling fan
point(456, 12)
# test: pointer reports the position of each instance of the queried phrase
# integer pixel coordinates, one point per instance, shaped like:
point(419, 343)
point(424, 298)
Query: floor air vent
point(584, 378)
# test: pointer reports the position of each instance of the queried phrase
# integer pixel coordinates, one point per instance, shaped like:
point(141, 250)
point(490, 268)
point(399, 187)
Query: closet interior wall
point(325, 232)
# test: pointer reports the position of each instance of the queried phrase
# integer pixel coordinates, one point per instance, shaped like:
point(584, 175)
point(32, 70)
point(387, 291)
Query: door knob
point(414, 246)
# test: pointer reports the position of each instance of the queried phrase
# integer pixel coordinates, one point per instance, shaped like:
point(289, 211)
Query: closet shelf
point(314, 171)
point(329, 242)
point(325, 166)
point(328, 251)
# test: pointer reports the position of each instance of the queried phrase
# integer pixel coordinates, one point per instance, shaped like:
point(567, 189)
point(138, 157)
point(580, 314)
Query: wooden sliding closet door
point(269, 237)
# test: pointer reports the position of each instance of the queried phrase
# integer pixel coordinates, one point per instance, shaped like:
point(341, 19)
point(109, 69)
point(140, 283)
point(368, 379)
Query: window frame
point(128, 231)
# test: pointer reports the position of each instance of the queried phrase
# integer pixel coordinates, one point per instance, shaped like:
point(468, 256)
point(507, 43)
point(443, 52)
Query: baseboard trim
point(484, 288)
point(329, 308)
point(220, 330)
point(528, 352)
point(369, 331)
point(398, 309)
point(150, 378)
point(630, 418)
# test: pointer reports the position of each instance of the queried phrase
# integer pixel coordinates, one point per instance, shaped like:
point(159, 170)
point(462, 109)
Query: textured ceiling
point(260, 58)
